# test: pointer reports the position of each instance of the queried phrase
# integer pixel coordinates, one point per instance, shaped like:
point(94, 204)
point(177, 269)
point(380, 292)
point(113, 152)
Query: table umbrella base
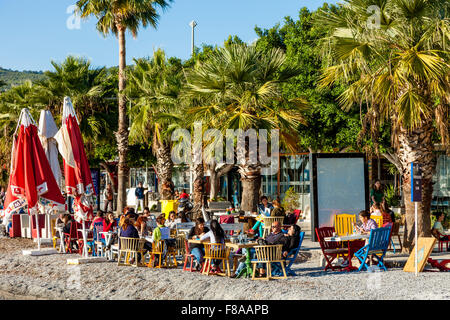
point(42, 252)
point(86, 260)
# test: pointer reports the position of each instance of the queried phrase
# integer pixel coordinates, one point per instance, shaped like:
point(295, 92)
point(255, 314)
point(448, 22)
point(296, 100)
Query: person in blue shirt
point(264, 210)
point(139, 193)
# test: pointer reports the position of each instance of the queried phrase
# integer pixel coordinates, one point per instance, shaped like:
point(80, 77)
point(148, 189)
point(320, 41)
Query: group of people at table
point(132, 225)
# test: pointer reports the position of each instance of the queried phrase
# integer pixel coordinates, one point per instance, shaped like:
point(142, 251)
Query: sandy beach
point(50, 277)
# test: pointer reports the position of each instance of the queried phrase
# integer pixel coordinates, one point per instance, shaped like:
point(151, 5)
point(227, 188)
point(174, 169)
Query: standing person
point(109, 198)
point(376, 193)
point(139, 193)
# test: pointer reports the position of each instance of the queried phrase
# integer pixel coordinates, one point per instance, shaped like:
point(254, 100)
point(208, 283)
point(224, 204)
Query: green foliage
point(291, 200)
point(10, 78)
point(327, 127)
point(391, 196)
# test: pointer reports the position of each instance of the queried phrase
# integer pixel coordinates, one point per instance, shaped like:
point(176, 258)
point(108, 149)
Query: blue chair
point(291, 257)
point(377, 247)
point(98, 241)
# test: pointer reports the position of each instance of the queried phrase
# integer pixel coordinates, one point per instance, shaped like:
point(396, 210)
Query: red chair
point(227, 219)
point(188, 256)
point(441, 240)
point(71, 237)
point(331, 250)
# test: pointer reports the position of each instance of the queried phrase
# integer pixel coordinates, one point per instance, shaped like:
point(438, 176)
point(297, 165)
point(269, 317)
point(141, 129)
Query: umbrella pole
point(37, 230)
point(85, 250)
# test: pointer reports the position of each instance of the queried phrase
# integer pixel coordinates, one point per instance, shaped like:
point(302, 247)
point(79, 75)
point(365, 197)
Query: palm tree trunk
point(214, 178)
point(416, 146)
point(251, 184)
point(164, 166)
point(122, 133)
point(198, 190)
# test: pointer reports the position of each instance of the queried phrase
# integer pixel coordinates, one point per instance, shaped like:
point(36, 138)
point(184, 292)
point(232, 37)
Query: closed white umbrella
point(47, 132)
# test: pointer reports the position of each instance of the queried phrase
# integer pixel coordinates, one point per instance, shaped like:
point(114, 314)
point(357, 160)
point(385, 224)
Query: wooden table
point(352, 246)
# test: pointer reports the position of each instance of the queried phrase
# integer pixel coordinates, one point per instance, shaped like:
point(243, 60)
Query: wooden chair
point(180, 247)
point(54, 235)
point(216, 251)
point(71, 238)
point(343, 223)
point(268, 224)
point(331, 250)
point(378, 220)
point(157, 251)
point(268, 255)
point(395, 232)
point(377, 247)
point(130, 248)
point(188, 258)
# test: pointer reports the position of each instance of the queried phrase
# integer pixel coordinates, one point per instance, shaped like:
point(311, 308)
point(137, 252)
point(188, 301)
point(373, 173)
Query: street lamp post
point(193, 24)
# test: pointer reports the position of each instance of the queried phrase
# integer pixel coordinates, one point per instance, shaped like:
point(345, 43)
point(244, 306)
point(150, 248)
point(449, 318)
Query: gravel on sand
point(50, 277)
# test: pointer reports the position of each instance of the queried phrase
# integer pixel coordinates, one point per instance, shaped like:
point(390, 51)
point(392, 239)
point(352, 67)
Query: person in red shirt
point(184, 195)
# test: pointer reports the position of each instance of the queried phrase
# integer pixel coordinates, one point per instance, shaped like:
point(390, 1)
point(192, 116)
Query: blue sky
point(34, 32)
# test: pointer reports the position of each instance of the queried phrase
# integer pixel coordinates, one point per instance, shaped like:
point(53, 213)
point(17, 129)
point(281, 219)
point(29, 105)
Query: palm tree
point(399, 69)
point(239, 87)
point(154, 88)
point(75, 77)
point(118, 16)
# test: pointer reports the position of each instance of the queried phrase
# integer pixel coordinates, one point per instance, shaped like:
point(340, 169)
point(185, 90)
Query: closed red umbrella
point(77, 173)
point(31, 179)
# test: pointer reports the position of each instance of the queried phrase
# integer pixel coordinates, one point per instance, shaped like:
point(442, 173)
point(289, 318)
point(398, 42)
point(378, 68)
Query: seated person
point(367, 223)
point(98, 218)
point(278, 210)
point(197, 249)
point(172, 221)
point(215, 235)
point(141, 226)
point(110, 222)
point(127, 230)
point(264, 210)
point(375, 209)
point(292, 240)
point(275, 237)
point(438, 229)
point(386, 210)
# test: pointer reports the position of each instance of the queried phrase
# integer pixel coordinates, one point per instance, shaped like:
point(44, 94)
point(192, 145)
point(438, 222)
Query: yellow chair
point(378, 220)
point(157, 250)
point(54, 236)
point(216, 251)
point(268, 224)
point(130, 248)
point(269, 254)
point(343, 223)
